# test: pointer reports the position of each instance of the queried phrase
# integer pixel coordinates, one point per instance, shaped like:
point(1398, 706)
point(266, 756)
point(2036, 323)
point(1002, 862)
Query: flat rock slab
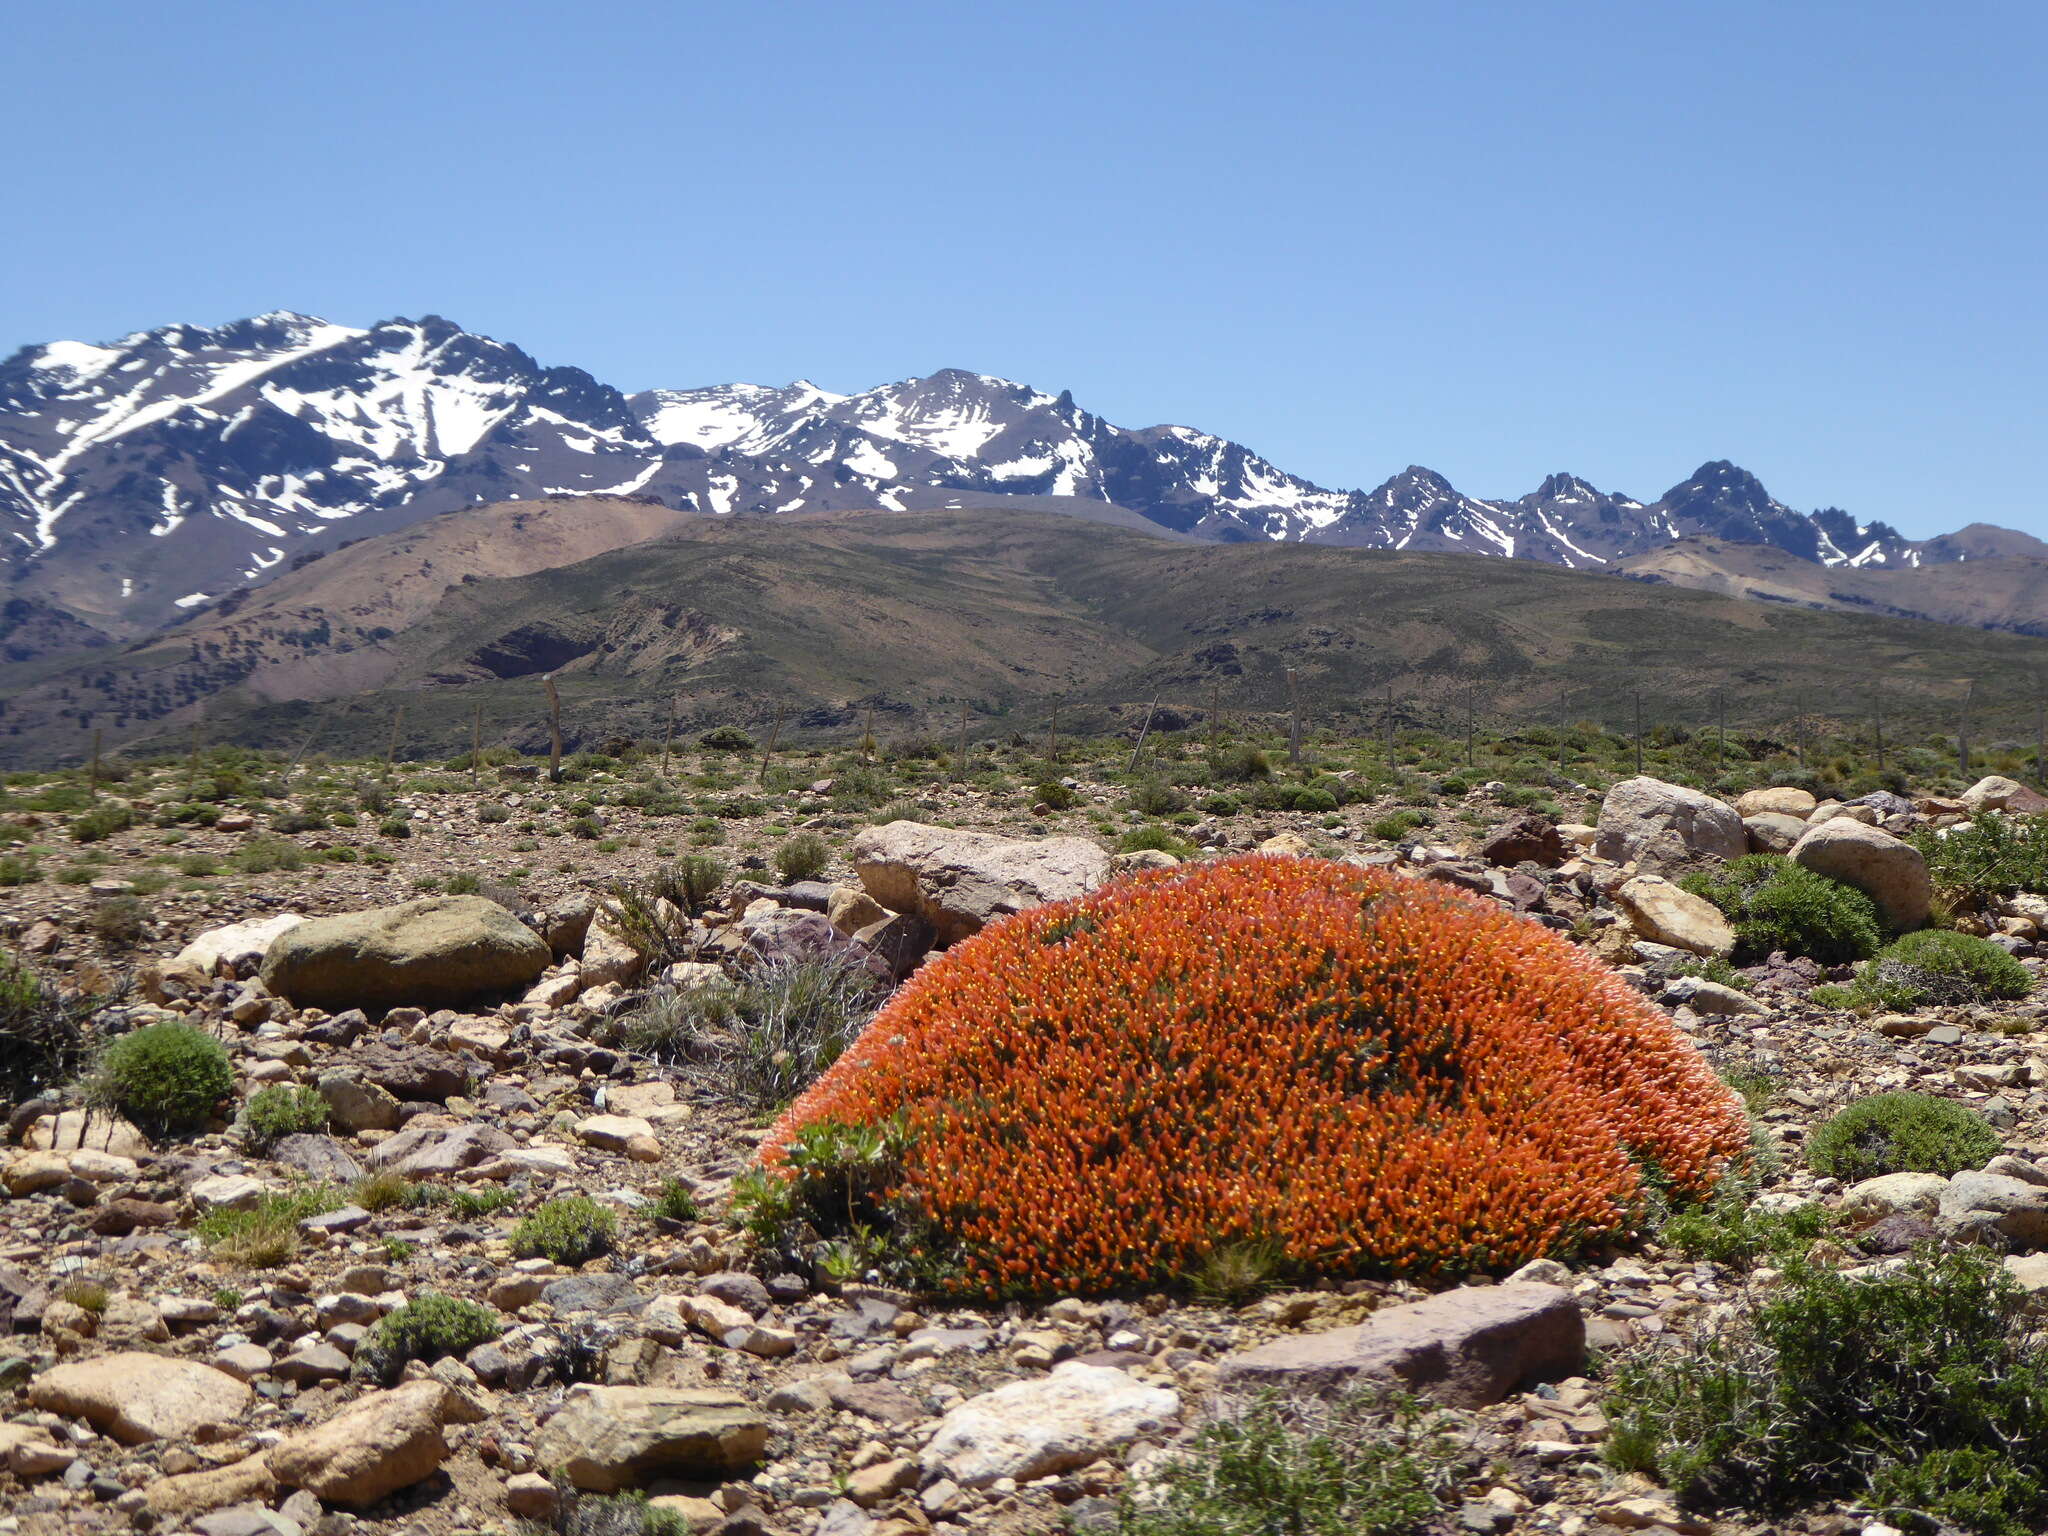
point(1036, 1428)
point(440, 951)
point(959, 881)
point(373, 1447)
point(609, 1438)
point(1465, 1348)
point(135, 1396)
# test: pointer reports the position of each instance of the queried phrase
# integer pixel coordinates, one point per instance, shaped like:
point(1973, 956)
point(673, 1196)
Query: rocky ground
point(153, 1381)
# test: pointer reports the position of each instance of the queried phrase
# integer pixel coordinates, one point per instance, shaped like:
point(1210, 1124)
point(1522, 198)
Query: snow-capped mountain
point(143, 478)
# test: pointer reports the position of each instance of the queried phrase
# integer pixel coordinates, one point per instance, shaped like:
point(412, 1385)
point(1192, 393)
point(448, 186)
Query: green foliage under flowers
point(1363, 1466)
point(271, 1114)
point(1774, 904)
point(570, 1231)
point(268, 1235)
point(1993, 854)
point(1933, 966)
point(1914, 1390)
point(428, 1327)
point(165, 1077)
point(1901, 1133)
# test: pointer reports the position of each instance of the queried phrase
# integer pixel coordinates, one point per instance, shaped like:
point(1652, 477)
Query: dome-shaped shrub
point(1360, 1070)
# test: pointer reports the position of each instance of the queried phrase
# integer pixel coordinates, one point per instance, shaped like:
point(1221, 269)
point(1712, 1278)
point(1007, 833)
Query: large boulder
point(1772, 832)
point(958, 882)
point(1031, 1429)
point(1995, 1208)
point(609, 1438)
point(1998, 793)
point(1782, 801)
point(1465, 1347)
point(1890, 872)
point(436, 952)
point(1654, 824)
point(1665, 913)
point(373, 1447)
point(237, 949)
point(136, 1396)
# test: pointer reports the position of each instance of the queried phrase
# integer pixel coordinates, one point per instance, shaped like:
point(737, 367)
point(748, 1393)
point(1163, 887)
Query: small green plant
point(491, 813)
point(674, 1201)
point(1396, 825)
point(17, 869)
point(1366, 1465)
point(1913, 1389)
point(46, 1034)
point(394, 827)
point(165, 1077)
point(463, 883)
point(266, 855)
point(1155, 838)
point(1992, 855)
point(271, 1114)
point(227, 1298)
point(1774, 904)
point(88, 1296)
point(1234, 1272)
point(428, 1327)
point(119, 922)
point(464, 1204)
point(1729, 1230)
point(101, 823)
point(1717, 970)
point(764, 1039)
point(803, 857)
point(382, 1191)
point(1901, 1133)
point(1933, 966)
point(1239, 763)
point(268, 1235)
point(570, 1231)
point(1054, 795)
point(726, 738)
point(398, 1250)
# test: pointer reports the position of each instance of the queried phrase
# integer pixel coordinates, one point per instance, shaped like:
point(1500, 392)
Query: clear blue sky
point(1498, 239)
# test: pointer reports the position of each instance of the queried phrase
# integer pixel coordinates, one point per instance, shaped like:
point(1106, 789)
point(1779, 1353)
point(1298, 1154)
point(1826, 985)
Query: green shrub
point(764, 1039)
point(493, 813)
point(674, 1201)
point(1991, 855)
point(1156, 797)
point(165, 1077)
point(394, 826)
point(119, 922)
point(1239, 763)
point(726, 738)
point(1055, 795)
point(1364, 1466)
point(803, 857)
point(570, 1231)
point(1935, 966)
point(1901, 1133)
point(1774, 904)
point(265, 855)
point(17, 869)
point(428, 1327)
point(1728, 1229)
point(1139, 839)
point(101, 822)
point(271, 1114)
point(1396, 825)
point(46, 1034)
point(267, 1236)
point(1912, 1389)
point(1221, 805)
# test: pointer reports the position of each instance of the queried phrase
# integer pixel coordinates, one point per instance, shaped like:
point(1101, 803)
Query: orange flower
point(1368, 1071)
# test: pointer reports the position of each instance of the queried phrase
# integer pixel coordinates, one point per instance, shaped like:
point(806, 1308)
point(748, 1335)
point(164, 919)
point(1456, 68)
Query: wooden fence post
point(476, 747)
point(95, 773)
point(391, 748)
point(668, 740)
point(960, 768)
point(1143, 731)
point(774, 735)
point(1293, 719)
point(547, 681)
point(1052, 735)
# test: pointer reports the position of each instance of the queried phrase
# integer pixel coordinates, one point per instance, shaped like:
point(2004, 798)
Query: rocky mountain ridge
point(153, 475)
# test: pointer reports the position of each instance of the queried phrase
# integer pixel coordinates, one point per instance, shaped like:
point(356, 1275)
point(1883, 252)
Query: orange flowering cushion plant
point(1365, 1071)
